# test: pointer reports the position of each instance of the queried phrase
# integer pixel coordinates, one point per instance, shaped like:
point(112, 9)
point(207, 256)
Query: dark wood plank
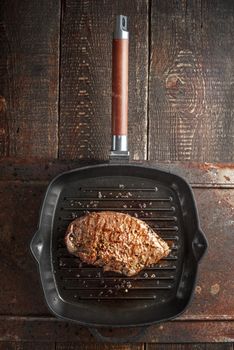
point(191, 81)
point(7, 345)
point(222, 346)
point(197, 174)
point(50, 329)
point(85, 98)
point(27, 345)
point(19, 212)
point(83, 346)
point(21, 292)
point(29, 70)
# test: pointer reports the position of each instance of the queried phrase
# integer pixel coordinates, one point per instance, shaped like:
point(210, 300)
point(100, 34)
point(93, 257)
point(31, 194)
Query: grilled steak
point(117, 242)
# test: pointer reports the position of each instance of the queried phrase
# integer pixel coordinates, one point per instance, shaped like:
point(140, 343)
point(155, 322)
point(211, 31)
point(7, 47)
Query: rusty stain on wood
point(43, 170)
point(210, 166)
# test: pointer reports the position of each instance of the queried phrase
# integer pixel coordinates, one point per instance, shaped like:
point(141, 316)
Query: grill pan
point(78, 292)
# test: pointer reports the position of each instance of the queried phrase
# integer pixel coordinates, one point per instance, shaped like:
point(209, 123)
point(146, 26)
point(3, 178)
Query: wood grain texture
point(85, 97)
point(50, 329)
point(218, 175)
point(75, 346)
point(191, 81)
point(27, 345)
point(29, 37)
point(19, 212)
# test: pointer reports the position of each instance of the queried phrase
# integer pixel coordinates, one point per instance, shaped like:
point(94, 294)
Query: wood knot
point(184, 84)
point(3, 104)
point(173, 82)
point(175, 85)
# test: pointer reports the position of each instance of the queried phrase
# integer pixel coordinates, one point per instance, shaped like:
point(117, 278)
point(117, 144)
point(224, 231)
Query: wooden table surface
point(55, 107)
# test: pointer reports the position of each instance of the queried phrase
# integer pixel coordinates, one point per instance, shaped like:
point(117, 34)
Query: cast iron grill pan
point(146, 200)
point(84, 293)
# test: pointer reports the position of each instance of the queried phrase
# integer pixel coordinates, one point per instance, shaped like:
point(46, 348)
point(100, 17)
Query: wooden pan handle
point(120, 86)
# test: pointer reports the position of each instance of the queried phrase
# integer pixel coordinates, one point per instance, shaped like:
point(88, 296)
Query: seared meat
point(117, 242)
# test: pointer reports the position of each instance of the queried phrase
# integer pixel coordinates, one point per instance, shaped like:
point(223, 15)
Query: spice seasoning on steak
point(115, 241)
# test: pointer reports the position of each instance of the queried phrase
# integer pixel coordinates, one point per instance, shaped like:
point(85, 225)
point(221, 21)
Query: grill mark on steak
point(115, 241)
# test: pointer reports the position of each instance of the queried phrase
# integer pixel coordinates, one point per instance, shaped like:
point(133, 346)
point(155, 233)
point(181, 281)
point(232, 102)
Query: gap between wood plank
point(182, 318)
point(148, 78)
point(193, 185)
point(59, 73)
